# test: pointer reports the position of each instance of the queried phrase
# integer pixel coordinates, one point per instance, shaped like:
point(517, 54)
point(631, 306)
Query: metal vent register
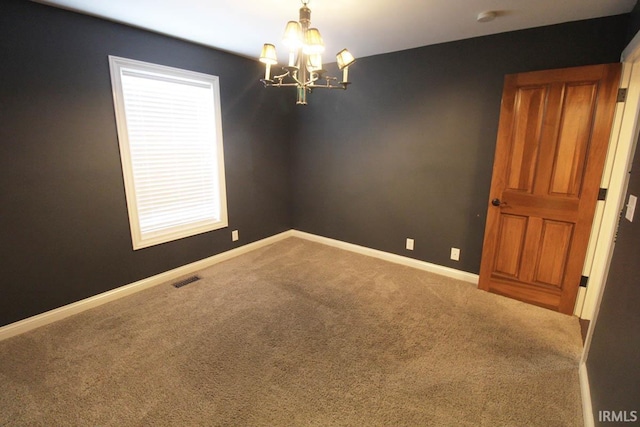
point(186, 281)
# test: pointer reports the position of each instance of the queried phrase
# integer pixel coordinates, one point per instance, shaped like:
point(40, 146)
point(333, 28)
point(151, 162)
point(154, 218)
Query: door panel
point(524, 152)
point(554, 245)
point(510, 243)
point(575, 129)
point(552, 139)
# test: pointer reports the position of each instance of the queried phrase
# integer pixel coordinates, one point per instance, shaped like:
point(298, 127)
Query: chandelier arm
point(281, 76)
point(341, 86)
point(288, 73)
point(280, 84)
point(297, 82)
point(312, 79)
point(328, 79)
point(280, 80)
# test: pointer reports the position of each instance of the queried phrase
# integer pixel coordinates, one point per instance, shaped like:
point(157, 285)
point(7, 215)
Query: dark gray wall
point(614, 371)
point(64, 227)
point(634, 22)
point(407, 150)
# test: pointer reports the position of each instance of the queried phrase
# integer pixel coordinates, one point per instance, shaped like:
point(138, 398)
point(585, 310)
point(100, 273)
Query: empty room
point(319, 213)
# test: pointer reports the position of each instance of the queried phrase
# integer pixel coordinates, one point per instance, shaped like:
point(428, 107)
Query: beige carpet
point(299, 334)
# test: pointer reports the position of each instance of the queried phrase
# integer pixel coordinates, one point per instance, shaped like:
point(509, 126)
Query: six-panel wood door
point(552, 141)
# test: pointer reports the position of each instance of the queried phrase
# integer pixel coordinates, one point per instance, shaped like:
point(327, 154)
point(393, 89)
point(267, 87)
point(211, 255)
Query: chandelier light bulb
point(313, 42)
point(292, 35)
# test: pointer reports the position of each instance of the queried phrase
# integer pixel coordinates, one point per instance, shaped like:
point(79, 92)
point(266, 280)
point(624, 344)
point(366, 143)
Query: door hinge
point(602, 194)
point(583, 281)
point(622, 94)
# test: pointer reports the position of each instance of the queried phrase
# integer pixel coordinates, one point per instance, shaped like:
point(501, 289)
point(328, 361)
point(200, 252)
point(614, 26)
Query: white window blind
point(171, 148)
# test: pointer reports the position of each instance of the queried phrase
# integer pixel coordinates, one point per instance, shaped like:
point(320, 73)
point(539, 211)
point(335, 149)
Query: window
point(170, 135)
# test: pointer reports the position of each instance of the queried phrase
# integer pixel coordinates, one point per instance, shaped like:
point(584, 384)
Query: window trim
point(116, 66)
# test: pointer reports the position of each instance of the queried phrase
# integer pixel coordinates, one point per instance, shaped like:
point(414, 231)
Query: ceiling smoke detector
point(487, 16)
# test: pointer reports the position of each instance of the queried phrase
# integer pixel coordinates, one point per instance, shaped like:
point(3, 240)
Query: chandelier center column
point(305, 21)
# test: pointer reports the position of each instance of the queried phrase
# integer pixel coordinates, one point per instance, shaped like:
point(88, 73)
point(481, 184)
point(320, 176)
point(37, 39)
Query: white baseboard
point(60, 313)
point(63, 312)
point(585, 391)
point(398, 259)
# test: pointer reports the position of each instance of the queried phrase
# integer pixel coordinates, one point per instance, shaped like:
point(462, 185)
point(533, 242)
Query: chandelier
point(304, 71)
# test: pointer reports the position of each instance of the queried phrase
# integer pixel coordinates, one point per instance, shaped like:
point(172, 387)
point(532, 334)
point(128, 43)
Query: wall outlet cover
point(631, 207)
point(410, 244)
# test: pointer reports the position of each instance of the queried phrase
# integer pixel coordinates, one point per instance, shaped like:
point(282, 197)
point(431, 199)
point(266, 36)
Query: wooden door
point(552, 142)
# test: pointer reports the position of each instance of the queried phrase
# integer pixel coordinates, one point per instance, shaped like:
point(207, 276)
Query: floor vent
point(186, 281)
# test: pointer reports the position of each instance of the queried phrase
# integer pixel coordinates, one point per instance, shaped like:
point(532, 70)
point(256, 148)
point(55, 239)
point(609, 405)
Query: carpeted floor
point(299, 334)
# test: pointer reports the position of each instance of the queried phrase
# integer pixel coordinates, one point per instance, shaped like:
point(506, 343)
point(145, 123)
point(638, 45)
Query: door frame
point(616, 177)
point(624, 135)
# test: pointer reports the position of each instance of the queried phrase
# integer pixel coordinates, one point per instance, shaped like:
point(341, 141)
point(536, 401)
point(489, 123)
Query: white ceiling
point(364, 27)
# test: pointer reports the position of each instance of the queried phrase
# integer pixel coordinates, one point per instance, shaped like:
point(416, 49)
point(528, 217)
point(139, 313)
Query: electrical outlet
point(410, 244)
point(234, 236)
point(455, 254)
